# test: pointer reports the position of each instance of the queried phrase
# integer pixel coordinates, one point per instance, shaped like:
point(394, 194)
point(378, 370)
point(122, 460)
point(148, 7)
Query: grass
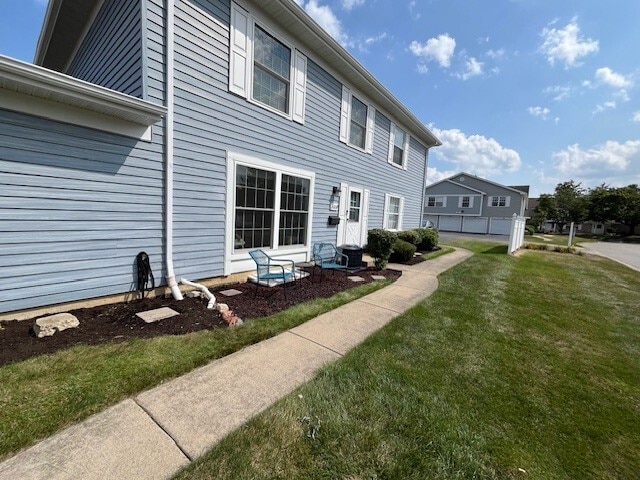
point(560, 240)
point(517, 367)
point(437, 253)
point(44, 394)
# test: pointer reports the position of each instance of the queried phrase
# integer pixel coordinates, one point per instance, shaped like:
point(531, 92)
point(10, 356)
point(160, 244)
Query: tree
point(571, 203)
point(629, 213)
point(545, 210)
point(616, 204)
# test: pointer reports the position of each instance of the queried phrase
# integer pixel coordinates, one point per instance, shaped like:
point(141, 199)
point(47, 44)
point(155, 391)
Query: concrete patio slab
point(156, 315)
point(122, 442)
point(202, 407)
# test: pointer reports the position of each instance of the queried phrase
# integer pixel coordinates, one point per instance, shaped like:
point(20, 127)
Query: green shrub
point(411, 236)
point(402, 251)
point(429, 239)
point(380, 243)
point(529, 230)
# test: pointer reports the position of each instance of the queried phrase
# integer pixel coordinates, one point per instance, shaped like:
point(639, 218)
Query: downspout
point(171, 278)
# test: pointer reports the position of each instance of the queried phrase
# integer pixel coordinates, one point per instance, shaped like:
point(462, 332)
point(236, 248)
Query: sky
point(521, 92)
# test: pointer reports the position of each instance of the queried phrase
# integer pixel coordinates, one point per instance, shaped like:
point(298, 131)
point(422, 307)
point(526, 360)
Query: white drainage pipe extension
point(171, 278)
point(205, 291)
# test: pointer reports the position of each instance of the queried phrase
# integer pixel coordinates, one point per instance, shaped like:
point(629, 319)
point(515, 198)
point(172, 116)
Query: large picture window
point(260, 221)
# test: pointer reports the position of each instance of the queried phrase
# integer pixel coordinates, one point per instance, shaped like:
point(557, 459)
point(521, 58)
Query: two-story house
point(467, 203)
point(193, 130)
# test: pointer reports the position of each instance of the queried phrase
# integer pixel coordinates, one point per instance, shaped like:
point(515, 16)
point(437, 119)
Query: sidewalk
point(158, 432)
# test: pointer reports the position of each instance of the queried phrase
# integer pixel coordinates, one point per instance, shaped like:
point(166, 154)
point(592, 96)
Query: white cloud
point(326, 19)
point(415, 15)
point(609, 77)
point(349, 4)
point(434, 175)
point(495, 54)
point(475, 154)
point(612, 157)
point(636, 116)
point(473, 68)
point(439, 49)
point(422, 69)
point(556, 120)
point(605, 106)
point(559, 92)
point(566, 45)
point(622, 95)
point(539, 112)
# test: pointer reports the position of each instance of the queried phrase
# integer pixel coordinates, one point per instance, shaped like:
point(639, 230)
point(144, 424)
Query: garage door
point(474, 224)
point(449, 223)
point(500, 226)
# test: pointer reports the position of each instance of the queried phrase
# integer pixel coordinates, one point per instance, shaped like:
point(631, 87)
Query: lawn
point(517, 367)
point(41, 395)
point(561, 240)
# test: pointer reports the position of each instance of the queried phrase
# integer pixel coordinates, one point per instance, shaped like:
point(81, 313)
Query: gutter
point(171, 278)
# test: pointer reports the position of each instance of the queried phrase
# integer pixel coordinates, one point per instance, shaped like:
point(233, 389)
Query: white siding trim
point(342, 213)
point(401, 214)
point(392, 141)
point(364, 225)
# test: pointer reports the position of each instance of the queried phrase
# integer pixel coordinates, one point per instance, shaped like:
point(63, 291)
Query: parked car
point(428, 224)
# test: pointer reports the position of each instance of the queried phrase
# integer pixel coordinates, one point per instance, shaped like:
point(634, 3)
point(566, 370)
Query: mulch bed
point(118, 322)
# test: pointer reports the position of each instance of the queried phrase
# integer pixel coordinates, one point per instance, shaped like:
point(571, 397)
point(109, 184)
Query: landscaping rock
point(157, 314)
point(222, 307)
point(47, 326)
point(194, 294)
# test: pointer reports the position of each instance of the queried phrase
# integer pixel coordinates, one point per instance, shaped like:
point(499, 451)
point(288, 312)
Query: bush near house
point(411, 236)
point(429, 239)
point(379, 245)
point(529, 230)
point(402, 251)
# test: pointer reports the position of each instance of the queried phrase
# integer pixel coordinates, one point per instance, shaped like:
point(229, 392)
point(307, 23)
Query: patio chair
point(269, 269)
point(327, 257)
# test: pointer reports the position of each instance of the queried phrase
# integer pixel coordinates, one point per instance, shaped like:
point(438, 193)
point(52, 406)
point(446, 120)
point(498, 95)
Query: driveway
point(455, 236)
point(626, 253)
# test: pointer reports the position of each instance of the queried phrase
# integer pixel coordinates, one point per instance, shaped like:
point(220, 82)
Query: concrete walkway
point(158, 432)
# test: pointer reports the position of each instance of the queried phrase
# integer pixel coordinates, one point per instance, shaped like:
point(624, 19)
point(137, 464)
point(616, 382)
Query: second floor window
point(500, 201)
point(437, 202)
point(271, 71)
point(358, 127)
point(466, 202)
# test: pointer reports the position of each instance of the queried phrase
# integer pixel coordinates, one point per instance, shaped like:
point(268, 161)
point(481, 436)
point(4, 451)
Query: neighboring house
point(466, 203)
point(194, 130)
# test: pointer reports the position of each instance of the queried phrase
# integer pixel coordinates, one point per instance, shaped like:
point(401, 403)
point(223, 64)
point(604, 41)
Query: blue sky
point(520, 91)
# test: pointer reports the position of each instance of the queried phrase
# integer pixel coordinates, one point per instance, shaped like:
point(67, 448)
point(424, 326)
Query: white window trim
point(385, 219)
point(405, 147)
point(460, 199)
point(507, 201)
point(444, 201)
point(345, 120)
point(241, 63)
point(241, 261)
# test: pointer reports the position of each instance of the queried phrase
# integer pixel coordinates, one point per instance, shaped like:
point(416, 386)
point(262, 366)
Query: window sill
point(399, 167)
point(266, 107)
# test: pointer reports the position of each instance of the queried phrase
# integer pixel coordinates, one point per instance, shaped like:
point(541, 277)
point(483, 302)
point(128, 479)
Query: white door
point(354, 217)
point(500, 226)
point(474, 224)
point(449, 223)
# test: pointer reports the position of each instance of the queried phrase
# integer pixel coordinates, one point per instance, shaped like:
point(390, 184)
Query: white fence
point(516, 238)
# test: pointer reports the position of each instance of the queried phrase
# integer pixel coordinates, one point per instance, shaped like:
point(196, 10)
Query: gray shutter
point(239, 51)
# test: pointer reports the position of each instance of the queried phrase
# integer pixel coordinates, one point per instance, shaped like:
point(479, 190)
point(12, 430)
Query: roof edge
point(50, 18)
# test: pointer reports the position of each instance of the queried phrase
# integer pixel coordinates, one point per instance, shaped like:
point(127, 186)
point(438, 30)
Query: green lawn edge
point(42, 395)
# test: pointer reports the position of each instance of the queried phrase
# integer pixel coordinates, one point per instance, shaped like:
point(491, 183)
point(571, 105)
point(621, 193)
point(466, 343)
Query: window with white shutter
point(357, 121)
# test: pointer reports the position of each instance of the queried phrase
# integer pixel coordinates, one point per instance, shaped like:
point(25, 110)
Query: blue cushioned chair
point(327, 257)
point(269, 269)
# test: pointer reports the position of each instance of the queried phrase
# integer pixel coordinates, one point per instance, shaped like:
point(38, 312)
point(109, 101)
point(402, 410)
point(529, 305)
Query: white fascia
point(38, 91)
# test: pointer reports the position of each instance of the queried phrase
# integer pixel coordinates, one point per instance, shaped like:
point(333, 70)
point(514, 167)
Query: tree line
point(570, 202)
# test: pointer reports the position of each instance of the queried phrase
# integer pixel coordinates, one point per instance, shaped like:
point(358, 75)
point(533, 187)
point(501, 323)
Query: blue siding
point(210, 121)
point(76, 206)
point(111, 53)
